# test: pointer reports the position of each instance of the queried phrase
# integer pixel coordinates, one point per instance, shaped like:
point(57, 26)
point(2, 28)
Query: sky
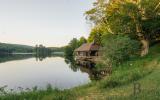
point(48, 22)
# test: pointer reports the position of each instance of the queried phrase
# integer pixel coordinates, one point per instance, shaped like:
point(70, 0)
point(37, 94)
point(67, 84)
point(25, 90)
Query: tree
point(73, 44)
point(96, 35)
point(136, 18)
point(69, 49)
point(97, 16)
point(119, 48)
point(82, 40)
point(42, 52)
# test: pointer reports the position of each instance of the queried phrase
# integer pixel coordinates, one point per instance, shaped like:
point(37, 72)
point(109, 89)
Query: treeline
point(6, 48)
point(13, 48)
point(57, 49)
point(42, 50)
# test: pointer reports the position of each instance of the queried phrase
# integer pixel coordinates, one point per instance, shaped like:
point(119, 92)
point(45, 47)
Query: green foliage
point(42, 50)
point(119, 48)
point(96, 34)
point(37, 94)
point(100, 66)
point(130, 71)
point(68, 51)
point(57, 49)
point(74, 43)
point(97, 14)
point(71, 47)
point(138, 19)
point(10, 48)
point(64, 95)
point(82, 40)
point(49, 88)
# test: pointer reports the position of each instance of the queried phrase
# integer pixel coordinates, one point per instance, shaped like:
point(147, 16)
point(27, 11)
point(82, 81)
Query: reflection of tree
point(84, 66)
point(72, 63)
point(89, 67)
point(41, 52)
point(10, 57)
point(93, 74)
point(41, 57)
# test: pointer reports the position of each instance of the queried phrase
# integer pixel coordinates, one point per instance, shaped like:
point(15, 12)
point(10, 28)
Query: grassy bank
point(120, 85)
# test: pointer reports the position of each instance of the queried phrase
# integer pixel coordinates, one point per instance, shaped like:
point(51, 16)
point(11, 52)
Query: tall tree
point(137, 18)
point(69, 49)
point(96, 34)
point(82, 40)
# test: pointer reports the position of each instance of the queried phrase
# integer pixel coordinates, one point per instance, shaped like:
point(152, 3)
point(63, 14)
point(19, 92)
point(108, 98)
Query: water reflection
point(72, 64)
point(86, 67)
point(24, 71)
point(41, 57)
point(13, 57)
point(83, 66)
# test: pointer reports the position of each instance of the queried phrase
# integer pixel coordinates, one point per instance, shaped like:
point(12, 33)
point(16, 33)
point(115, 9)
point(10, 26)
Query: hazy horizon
point(52, 23)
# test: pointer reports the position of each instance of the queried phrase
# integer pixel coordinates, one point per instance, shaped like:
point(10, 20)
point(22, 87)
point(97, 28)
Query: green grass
point(36, 94)
point(118, 86)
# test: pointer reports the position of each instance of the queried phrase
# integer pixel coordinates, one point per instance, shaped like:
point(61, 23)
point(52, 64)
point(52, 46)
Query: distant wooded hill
point(10, 48)
point(18, 48)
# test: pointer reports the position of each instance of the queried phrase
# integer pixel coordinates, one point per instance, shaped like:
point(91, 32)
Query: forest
point(6, 48)
point(10, 48)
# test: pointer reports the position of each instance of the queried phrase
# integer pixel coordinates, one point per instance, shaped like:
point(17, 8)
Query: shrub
point(119, 48)
point(49, 88)
point(99, 66)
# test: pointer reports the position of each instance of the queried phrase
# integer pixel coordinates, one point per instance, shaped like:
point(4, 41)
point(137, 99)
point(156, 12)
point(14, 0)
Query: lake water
point(27, 72)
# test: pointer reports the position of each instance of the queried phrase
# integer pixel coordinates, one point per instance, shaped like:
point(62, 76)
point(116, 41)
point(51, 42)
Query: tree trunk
point(145, 47)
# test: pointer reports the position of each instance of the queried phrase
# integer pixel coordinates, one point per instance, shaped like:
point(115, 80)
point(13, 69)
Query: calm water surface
point(27, 73)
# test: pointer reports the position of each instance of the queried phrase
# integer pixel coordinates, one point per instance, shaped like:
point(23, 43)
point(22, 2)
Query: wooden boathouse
point(87, 52)
point(87, 56)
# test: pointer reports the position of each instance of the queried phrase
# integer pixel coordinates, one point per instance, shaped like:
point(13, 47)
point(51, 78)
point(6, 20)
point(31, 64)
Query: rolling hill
point(8, 48)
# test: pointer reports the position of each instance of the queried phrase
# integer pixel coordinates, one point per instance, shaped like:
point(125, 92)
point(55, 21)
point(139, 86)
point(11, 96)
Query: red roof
point(88, 47)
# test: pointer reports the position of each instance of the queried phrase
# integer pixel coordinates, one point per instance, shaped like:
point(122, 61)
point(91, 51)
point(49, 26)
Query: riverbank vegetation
point(117, 86)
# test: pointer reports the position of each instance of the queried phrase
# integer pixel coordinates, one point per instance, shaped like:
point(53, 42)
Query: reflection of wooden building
point(86, 64)
point(88, 51)
point(94, 74)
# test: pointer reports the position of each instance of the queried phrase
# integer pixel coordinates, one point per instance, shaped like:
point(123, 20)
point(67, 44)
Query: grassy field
point(137, 79)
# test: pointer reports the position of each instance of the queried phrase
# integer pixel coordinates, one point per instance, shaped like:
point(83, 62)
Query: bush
point(100, 66)
point(119, 48)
